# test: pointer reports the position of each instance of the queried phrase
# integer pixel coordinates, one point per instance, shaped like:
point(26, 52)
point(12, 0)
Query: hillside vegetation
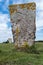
point(10, 56)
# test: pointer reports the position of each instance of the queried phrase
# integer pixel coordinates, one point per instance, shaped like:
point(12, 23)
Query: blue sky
point(5, 25)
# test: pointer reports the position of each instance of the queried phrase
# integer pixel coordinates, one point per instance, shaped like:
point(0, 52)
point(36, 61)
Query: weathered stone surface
point(23, 23)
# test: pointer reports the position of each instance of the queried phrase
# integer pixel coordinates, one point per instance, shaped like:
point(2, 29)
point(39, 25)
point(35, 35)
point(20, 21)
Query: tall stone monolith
point(23, 23)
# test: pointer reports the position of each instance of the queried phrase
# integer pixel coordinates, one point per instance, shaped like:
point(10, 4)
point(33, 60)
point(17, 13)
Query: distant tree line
point(6, 41)
point(39, 41)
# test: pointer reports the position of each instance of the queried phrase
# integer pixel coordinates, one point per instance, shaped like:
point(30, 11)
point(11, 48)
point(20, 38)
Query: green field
point(9, 56)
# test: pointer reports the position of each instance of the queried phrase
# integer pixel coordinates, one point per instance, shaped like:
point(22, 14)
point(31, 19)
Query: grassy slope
point(9, 55)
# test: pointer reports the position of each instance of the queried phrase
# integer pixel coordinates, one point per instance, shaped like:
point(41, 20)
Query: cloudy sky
point(5, 25)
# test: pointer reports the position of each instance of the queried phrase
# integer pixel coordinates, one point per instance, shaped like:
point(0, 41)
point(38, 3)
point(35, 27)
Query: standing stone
point(23, 23)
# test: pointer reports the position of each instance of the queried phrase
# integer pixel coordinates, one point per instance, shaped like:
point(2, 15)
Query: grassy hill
point(10, 56)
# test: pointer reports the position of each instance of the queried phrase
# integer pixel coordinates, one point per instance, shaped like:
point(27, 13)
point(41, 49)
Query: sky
point(5, 22)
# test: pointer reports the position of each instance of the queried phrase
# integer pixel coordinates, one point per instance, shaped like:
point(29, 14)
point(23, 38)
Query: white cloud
point(18, 1)
point(39, 23)
point(39, 20)
point(40, 5)
point(5, 32)
point(3, 26)
point(39, 29)
point(4, 18)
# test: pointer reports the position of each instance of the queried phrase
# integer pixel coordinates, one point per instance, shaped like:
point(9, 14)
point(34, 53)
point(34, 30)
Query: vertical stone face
point(23, 23)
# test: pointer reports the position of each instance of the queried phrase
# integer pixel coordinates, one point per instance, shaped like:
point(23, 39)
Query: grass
point(10, 56)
